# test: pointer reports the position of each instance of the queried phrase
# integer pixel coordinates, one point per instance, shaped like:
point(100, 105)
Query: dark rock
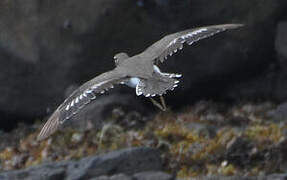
point(52, 171)
point(202, 129)
point(257, 87)
point(48, 46)
point(238, 121)
point(239, 151)
point(149, 175)
point(281, 45)
point(268, 177)
point(281, 153)
point(127, 161)
point(225, 178)
point(279, 113)
point(114, 177)
point(153, 176)
point(215, 74)
point(277, 177)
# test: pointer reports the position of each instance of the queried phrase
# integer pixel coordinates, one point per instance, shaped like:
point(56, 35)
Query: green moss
point(186, 151)
point(228, 170)
point(261, 133)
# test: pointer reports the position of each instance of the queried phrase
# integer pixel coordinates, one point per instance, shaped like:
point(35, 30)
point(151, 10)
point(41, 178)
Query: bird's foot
point(161, 105)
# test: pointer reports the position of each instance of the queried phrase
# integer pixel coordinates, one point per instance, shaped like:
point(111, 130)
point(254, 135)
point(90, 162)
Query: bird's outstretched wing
point(170, 44)
point(79, 98)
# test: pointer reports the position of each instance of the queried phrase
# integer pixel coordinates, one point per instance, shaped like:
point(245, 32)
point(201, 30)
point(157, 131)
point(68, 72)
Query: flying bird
point(140, 72)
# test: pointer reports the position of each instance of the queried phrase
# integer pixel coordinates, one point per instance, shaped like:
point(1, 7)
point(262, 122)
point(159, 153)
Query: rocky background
point(48, 48)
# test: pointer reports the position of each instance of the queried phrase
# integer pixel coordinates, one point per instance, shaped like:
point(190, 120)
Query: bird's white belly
point(133, 82)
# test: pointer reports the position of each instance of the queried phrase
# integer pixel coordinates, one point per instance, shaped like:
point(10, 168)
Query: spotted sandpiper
point(140, 72)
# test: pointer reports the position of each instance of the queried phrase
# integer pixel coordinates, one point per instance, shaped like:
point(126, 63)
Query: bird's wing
point(79, 98)
point(170, 44)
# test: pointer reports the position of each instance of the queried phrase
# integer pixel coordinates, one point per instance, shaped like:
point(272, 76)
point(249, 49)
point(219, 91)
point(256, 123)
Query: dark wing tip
point(50, 126)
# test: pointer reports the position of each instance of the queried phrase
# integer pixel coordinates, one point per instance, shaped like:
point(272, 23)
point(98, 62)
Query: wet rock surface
point(47, 47)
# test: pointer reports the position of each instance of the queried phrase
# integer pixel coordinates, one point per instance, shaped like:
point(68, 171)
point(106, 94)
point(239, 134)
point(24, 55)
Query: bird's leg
point(156, 104)
point(163, 103)
point(161, 106)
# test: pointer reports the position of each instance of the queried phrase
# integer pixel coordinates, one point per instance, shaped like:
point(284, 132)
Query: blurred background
point(48, 48)
point(232, 96)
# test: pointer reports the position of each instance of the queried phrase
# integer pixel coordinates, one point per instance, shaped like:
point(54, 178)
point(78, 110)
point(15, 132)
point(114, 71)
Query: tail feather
point(157, 85)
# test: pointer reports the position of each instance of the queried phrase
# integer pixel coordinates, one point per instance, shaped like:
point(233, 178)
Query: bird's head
point(120, 57)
